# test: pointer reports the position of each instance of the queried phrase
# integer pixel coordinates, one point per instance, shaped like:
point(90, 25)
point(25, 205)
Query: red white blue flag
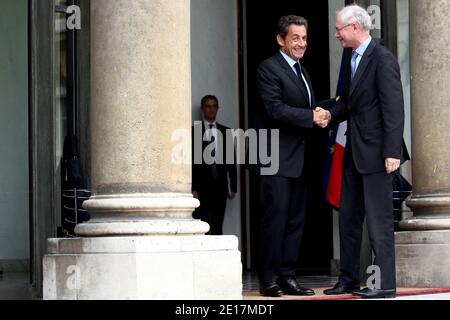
point(333, 165)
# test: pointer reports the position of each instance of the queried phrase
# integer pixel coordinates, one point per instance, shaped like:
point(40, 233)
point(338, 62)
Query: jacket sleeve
point(270, 92)
point(232, 172)
point(326, 104)
point(338, 112)
point(231, 168)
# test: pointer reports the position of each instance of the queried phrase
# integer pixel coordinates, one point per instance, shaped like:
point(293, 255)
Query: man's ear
point(281, 41)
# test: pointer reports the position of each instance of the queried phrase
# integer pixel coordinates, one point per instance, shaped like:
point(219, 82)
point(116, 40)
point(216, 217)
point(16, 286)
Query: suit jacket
point(202, 179)
point(284, 105)
point(373, 105)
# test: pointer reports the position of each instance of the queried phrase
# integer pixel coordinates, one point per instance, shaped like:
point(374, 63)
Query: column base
point(422, 259)
point(141, 214)
point(140, 228)
point(143, 268)
point(431, 212)
point(424, 224)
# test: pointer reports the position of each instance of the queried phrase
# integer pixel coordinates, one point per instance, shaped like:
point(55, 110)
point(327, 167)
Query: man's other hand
point(392, 165)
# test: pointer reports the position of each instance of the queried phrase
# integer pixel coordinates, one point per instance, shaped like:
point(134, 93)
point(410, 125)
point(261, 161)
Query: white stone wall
point(14, 191)
point(214, 43)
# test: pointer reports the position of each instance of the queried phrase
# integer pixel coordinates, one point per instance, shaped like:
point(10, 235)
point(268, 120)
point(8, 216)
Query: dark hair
point(209, 97)
point(286, 21)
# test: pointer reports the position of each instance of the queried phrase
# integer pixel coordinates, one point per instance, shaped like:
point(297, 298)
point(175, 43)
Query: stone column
point(141, 230)
point(424, 252)
point(141, 93)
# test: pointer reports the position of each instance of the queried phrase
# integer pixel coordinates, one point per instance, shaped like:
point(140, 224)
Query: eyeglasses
point(340, 29)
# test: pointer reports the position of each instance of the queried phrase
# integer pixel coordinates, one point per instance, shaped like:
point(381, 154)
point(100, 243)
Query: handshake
point(322, 117)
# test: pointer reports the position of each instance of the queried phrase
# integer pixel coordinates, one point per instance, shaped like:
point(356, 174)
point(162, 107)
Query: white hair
point(356, 14)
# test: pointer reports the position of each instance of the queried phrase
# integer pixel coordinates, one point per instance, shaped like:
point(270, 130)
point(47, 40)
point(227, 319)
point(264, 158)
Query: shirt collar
point(363, 47)
point(288, 59)
point(208, 123)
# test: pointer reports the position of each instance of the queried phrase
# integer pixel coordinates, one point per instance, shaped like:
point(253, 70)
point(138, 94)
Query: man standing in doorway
point(373, 107)
point(287, 101)
point(213, 183)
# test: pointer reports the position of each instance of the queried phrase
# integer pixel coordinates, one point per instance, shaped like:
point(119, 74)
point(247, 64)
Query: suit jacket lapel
point(366, 59)
point(292, 75)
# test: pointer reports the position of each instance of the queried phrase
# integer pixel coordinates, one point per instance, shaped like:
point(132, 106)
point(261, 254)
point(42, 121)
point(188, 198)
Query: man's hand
point(231, 195)
point(392, 165)
point(322, 117)
point(195, 194)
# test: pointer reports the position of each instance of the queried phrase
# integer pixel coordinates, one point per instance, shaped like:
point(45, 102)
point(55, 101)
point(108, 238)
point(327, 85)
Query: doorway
point(259, 34)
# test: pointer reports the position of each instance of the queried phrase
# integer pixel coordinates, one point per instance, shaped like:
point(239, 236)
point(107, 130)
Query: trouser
point(366, 196)
point(283, 202)
point(212, 209)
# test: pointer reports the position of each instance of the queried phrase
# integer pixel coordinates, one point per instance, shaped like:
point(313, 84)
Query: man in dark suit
point(287, 101)
point(213, 183)
point(373, 107)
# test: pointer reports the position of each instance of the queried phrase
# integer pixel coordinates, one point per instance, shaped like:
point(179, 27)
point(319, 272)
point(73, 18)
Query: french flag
point(335, 179)
point(336, 144)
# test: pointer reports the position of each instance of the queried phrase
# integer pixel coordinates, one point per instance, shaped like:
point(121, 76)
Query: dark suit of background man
point(373, 106)
point(210, 183)
point(287, 101)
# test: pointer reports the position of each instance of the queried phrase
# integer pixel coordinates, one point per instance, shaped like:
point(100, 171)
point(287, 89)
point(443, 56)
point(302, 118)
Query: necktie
point(302, 80)
point(214, 168)
point(212, 138)
point(299, 71)
point(353, 63)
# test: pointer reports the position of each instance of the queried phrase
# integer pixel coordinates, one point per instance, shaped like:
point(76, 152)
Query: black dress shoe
point(375, 293)
point(341, 288)
point(291, 287)
point(270, 290)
